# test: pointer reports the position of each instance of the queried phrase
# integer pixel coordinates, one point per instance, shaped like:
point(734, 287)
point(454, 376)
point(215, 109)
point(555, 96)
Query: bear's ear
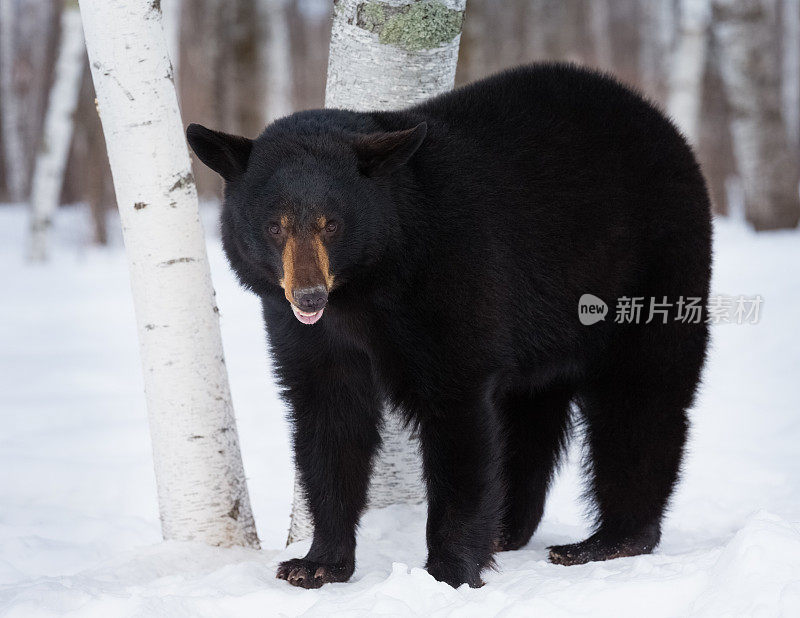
point(225, 154)
point(383, 153)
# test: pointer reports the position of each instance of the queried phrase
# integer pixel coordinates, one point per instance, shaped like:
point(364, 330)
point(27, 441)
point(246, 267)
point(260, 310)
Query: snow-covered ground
point(79, 531)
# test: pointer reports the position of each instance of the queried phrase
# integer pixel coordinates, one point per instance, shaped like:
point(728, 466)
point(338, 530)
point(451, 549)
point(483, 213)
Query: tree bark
point(658, 33)
point(201, 484)
point(715, 148)
point(10, 105)
point(95, 180)
point(750, 70)
point(51, 157)
point(600, 27)
point(688, 64)
point(473, 61)
point(791, 70)
point(276, 59)
point(29, 30)
point(388, 55)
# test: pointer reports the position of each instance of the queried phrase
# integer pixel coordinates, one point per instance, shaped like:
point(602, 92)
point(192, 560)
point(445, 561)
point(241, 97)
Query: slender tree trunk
point(658, 32)
point(791, 70)
point(35, 26)
point(750, 70)
point(51, 157)
point(221, 50)
point(276, 59)
point(10, 105)
point(388, 57)
point(245, 69)
point(600, 26)
point(201, 484)
point(714, 148)
point(688, 64)
point(473, 54)
point(95, 181)
point(535, 45)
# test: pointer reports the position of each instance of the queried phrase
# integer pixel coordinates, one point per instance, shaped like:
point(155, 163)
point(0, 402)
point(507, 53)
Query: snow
point(79, 531)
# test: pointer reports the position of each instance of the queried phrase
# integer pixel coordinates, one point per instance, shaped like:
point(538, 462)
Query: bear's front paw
point(456, 573)
point(311, 574)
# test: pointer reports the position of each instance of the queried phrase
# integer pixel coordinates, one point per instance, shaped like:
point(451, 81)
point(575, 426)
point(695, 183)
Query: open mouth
point(307, 318)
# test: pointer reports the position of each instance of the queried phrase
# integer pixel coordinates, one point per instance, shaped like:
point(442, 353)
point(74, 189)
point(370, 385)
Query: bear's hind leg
point(536, 425)
point(636, 426)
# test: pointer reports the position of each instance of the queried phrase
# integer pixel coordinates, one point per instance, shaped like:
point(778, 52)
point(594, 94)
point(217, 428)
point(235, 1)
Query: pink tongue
point(307, 319)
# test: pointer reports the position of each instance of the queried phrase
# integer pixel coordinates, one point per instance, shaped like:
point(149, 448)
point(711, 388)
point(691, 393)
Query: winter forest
point(144, 473)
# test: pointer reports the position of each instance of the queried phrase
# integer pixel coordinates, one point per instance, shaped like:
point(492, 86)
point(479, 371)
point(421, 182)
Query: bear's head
point(307, 207)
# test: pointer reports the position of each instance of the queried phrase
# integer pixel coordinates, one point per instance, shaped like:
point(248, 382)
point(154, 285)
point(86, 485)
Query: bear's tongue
point(307, 318)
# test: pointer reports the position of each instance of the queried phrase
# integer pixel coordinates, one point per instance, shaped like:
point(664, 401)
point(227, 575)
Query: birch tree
point(688, 64)
point(25, 28)
point(791, 69)
point(388, 55)
point(10, 104)
point(750, 71)
point(714, 147)
point(276, 58)
point(657, 34)
point(51, 156)
point(600, 27)
point(199, 474)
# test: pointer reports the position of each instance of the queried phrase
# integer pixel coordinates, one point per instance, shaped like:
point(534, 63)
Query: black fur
point(458, 270)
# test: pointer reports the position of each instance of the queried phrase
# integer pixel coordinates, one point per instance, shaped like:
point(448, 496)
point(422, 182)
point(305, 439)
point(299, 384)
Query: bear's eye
point(274, 229)
point(331, 227)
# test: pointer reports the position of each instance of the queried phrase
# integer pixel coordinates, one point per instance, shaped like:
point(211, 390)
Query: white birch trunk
point(750, 72)
point(10, 107)
point(51, 157)
point(658, 34)
point(201, 484)
point(688, 64)
point(276, 59)
point(392, 56)
point(791, 70)
point(381, 58)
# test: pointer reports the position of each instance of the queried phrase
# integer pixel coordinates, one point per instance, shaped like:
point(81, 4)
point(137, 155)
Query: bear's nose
point(310, 300)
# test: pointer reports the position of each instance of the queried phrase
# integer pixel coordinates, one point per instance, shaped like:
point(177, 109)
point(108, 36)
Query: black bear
point(440, 253)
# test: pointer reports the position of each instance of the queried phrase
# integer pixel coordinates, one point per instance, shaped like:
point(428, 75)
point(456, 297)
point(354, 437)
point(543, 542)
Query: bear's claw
point(596, 547)
point(310, 574)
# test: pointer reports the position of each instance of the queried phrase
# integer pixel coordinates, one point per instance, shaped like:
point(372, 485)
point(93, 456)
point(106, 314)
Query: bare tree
point(10, 104)
point(791, 69)
point(750, 70)
point(688, 64)
point(473, 57)
point(600, 26)
point(201, 484)
point(276, 58)
point(388, 57)
point(51, 157)
point(657, 37)
point(310, 26)
point(714, 146)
